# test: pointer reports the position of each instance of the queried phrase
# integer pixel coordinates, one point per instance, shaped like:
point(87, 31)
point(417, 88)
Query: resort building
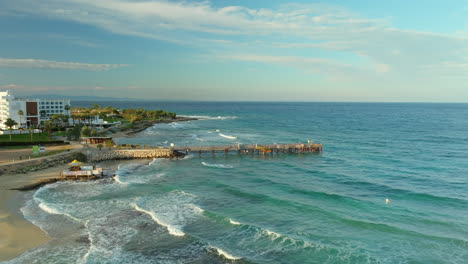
point(35, 111)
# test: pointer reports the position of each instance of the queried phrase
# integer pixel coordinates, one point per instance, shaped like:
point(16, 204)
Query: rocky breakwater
point(36, 164)
point(120, 154)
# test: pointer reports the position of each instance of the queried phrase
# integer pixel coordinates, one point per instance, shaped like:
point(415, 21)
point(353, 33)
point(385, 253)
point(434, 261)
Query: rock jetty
point(121, 154)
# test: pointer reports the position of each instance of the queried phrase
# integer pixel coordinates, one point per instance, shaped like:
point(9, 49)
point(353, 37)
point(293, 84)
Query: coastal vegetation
point(110, 114)
point(10, 123)
point(84, 123)
point(24, 137)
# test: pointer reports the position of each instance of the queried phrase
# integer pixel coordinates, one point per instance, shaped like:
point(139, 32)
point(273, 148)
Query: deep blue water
point(287, 208)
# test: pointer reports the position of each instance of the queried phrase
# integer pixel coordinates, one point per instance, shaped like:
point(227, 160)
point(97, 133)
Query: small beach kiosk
point(77, 169)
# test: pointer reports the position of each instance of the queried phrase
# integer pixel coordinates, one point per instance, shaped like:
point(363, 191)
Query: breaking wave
point(224, 253)
point(234, 222)
point(171, 229)
point(223, 166)
point(227, 136)
point(205, 117)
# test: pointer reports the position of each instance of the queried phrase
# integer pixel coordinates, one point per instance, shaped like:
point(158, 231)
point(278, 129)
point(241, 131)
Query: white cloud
point(46, 64)
point(235, 29)
point(313, 65)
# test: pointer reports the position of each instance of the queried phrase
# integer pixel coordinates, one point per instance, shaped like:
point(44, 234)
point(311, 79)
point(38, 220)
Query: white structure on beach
point(35, 111)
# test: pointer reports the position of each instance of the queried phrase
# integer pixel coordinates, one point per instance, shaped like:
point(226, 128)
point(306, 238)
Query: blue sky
point(336, 50)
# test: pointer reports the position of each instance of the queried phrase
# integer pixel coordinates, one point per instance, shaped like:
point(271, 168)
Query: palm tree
point(31, 130)
point(10, 123)
point(67, 108)
point(48, 125)
point(20, 113)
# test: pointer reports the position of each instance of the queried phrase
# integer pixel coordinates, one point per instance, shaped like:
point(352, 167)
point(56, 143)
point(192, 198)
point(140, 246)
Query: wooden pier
point(252, 148)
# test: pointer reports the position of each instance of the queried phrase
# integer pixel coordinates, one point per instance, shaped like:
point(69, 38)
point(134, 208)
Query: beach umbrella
point(75, 163)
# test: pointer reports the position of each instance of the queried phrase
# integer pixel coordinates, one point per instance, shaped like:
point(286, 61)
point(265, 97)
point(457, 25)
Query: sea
point(391, 186)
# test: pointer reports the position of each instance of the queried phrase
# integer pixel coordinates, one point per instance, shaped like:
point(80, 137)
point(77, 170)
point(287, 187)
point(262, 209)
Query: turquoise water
point(286, 208)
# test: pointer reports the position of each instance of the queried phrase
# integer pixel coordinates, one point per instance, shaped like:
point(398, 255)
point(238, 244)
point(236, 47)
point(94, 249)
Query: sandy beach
point(16, 233)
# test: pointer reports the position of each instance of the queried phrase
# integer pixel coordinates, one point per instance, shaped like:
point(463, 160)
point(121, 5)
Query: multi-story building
point(35, 111)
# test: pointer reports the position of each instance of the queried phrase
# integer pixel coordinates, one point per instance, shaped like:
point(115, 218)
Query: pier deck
point(253, 148)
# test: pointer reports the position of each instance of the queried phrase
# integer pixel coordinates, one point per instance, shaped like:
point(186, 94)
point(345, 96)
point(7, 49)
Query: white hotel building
point(35, 111)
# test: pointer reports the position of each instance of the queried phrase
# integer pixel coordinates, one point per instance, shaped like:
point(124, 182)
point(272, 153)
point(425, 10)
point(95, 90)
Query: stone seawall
point(103, 155)
point(40, 163)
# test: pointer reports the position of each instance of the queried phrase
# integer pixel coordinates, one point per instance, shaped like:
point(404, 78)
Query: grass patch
point(60, 134)
point(26, 137)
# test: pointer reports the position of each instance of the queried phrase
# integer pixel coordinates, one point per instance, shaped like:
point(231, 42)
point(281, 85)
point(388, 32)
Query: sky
point(238, 50)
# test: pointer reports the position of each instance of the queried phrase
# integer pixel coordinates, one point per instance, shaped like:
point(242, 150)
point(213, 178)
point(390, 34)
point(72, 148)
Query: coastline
point(142, 125)
point(17, 234)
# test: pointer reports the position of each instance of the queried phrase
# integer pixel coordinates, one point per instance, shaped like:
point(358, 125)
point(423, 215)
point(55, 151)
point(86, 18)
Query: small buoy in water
point(387, 201)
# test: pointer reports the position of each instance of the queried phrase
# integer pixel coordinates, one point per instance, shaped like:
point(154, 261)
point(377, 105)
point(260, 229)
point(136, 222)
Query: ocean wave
point(171, 229)
point(234, 222)
point(50, 210)
point(227, 136)
point(224, 253)
point(175, 210)
point(223, 166)
point(153, 161)
point(85, 257)
point(118, 180)
point(187, 157)
point(205, 117)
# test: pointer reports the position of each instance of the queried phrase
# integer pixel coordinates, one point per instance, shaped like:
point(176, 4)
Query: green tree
point(109, 143)
point(31, 130)
point(20, 113)
point(74, 133)
point(85, 131)
point(96, 106)
point(99, 146)
point(48, 126)
point(67, 108)
point(10, 123)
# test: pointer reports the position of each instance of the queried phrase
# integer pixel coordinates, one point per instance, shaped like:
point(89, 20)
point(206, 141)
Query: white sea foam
point(225, 254)
point(196, 209)
point(227, 136)
point(234, 222)
point(272, 234)
point(205, 117)
point(172, 230)
point(50, 210)
point(84, 259)
point(223, 166)
point(153, 161)
point(187, 157)
point(118, 180)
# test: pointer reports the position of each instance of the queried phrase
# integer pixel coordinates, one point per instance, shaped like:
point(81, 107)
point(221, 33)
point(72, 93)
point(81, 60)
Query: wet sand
point(16, 233)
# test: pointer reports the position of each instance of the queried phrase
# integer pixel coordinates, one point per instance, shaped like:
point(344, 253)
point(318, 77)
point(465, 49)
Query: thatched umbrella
point(75, 165)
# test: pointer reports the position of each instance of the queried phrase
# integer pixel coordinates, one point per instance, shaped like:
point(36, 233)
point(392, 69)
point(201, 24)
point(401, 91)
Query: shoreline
point(143, 125)
point(17, 234)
